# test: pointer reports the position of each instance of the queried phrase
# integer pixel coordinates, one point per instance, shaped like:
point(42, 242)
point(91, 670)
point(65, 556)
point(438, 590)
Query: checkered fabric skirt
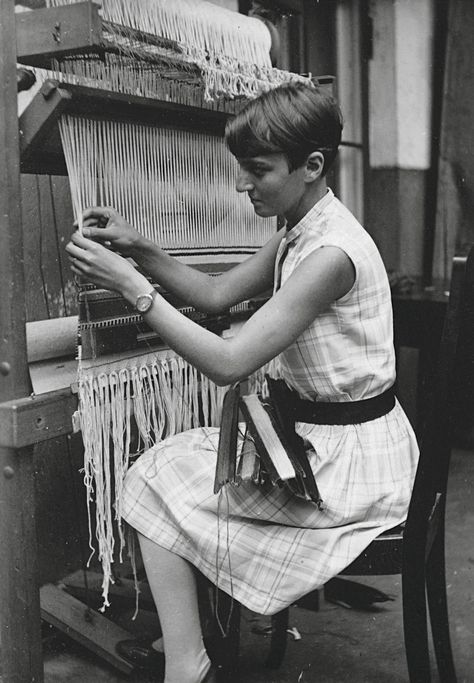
point(268, 548)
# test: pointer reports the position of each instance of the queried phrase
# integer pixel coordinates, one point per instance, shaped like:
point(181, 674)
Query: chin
point(264, 212)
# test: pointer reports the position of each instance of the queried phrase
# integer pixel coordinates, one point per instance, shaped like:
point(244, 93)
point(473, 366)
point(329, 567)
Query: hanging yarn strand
point(165, 395)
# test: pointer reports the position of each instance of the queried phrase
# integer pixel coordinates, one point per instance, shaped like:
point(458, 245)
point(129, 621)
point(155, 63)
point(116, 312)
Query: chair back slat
point(437, 434)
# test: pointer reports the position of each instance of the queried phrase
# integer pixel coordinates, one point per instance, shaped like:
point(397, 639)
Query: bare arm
point(324, 276)
point(210, 294)
point(204, 292)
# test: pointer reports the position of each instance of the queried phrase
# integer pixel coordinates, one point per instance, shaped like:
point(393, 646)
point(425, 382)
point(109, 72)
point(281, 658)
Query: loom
point(188, 85)
point(131, 102)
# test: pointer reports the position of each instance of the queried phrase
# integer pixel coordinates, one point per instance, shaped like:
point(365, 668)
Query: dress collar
point(308, 218)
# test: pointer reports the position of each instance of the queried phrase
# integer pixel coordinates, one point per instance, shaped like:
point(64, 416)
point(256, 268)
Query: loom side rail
point(40, 144)
point(37, 418)
point(40, 151)
point(20, 625)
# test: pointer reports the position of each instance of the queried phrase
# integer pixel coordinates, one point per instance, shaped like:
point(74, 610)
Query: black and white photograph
point(237, 341)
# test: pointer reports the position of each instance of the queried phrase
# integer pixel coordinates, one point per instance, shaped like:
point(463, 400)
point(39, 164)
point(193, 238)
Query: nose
point(243, 182)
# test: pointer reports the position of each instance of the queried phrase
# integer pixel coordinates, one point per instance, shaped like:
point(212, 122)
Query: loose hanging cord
point(79, 528)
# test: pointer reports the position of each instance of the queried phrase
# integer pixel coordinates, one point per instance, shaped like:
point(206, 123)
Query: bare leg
point(173, 586)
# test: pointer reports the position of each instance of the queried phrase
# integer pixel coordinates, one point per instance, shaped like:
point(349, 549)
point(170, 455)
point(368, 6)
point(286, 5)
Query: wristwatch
point(144, 302)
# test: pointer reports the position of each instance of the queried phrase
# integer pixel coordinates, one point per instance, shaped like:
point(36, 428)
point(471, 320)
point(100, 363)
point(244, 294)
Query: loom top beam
point(40, 144)
point(70, 30)
point(57, 32)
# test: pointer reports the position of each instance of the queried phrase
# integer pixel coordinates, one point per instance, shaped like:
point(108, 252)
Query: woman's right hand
point(107, 226)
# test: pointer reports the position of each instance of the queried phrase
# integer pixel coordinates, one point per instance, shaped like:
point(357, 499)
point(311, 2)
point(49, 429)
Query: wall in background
point(350, 97)
point(400, 129)
point(455, 207)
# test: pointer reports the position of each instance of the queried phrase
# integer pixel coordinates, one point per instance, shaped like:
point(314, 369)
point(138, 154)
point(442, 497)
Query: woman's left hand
point(99, 265)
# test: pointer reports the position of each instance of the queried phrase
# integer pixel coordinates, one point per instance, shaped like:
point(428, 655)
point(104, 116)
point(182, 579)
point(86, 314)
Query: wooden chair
point(415, 549)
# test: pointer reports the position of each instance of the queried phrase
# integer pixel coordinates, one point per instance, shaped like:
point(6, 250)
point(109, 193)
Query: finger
point(83, 241)
point(74, 262)
point(97, 233)
point(76, 239)
point(76, 270)
point(95, 214)
point(75, 251)
point(90, 222)
point(98, 212)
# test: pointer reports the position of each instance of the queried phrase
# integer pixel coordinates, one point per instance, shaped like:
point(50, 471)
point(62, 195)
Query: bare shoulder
point(329, 268)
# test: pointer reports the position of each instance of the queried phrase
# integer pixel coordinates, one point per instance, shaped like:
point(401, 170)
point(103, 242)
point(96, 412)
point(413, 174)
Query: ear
point(314, 166)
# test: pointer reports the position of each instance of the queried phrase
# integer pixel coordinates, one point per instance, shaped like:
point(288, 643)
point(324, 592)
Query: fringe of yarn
point(126, 75)
point(162, 397)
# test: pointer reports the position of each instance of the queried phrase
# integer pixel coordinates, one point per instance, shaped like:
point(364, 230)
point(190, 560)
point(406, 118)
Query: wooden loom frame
point(20, 635)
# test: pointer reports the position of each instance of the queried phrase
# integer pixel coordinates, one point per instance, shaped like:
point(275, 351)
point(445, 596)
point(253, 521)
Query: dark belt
point(344, 413)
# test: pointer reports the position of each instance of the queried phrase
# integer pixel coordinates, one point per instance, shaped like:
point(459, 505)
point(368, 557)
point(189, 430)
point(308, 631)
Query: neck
point(311, 197)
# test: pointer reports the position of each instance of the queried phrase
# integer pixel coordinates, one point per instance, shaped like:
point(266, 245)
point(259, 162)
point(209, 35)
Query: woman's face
point(271, 187)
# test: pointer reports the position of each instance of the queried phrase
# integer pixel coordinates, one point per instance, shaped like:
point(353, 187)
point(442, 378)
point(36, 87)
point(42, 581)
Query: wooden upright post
point(20, 641)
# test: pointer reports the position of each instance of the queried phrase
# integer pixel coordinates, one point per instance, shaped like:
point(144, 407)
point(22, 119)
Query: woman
point(329, 322)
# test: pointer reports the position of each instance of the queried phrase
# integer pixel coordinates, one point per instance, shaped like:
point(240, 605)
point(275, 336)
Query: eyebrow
point(254, 161)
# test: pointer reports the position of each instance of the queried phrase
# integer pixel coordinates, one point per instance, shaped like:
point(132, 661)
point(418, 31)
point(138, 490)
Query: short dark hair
point(295, 119)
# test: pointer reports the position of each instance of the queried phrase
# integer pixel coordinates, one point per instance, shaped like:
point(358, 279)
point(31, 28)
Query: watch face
point(144, 303)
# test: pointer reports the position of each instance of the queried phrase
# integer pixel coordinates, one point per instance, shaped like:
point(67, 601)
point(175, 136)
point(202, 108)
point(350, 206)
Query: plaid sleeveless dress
point(268, 548)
